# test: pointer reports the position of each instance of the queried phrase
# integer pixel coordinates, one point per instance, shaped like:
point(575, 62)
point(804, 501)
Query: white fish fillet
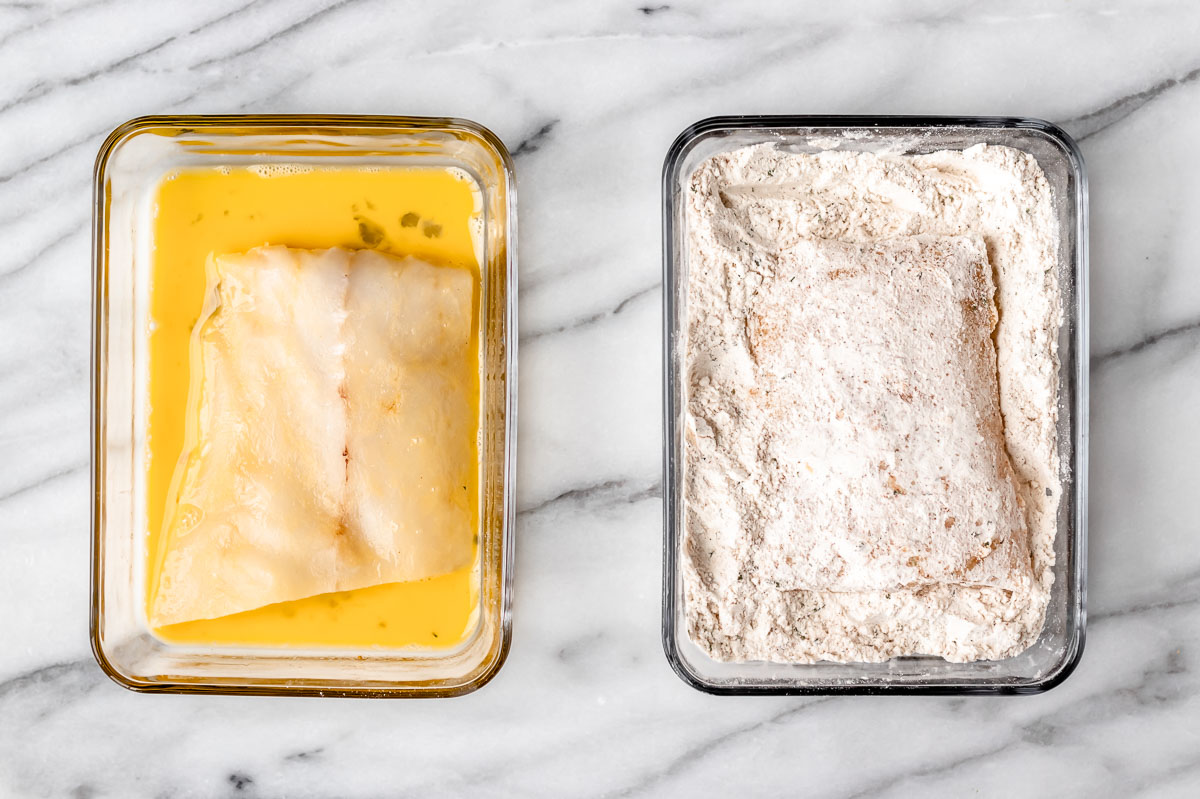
point(411, 431)
point(332, 420)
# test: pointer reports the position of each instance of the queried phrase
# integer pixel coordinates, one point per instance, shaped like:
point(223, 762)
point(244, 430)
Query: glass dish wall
point(129, 167)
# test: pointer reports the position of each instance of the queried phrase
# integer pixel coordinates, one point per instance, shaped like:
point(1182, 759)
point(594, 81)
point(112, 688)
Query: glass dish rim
point(349, 123)
point(1079, 410)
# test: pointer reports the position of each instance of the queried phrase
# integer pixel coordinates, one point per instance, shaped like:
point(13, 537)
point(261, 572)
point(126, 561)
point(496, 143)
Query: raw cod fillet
point(331, 432)
point(411, 425)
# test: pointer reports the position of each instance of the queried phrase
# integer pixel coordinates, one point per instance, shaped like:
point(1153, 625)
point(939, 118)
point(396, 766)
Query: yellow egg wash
point(425, 212)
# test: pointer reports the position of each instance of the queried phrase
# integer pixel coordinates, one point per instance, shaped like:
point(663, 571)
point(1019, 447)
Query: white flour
point(851, 492)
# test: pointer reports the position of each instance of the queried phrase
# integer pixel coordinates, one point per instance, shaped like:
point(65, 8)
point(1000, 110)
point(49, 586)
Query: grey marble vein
point(283, 33)
point(43, 88)
point(534, 141)
point(678, 765)
point(608, 492)
point(905, 778)
point(42, 480)
point(1184, 331)
point(59, 675)
point(1180, 591)
point(1093, 122)
point(43, 20)
point(62, 149)
point(529, 336)
point(58, 238)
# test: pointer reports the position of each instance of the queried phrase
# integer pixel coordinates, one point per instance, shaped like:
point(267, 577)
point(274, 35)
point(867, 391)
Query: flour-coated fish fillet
point(872, 418)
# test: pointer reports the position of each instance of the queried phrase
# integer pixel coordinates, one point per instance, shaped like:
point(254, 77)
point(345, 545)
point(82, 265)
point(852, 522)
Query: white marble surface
point(589, 95)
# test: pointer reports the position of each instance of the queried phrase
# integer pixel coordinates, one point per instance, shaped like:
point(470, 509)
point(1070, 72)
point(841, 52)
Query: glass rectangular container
point(1056, 652)
point(129, 168)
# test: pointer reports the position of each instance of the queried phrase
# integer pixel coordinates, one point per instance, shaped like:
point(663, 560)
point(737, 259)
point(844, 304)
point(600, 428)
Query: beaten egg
point(200, 213)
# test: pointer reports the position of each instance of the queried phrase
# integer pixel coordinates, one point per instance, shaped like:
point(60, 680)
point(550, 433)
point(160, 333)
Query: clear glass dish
point(1055, 654)
point(131, 164)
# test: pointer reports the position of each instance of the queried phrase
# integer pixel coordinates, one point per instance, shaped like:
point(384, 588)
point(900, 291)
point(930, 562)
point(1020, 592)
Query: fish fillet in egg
point(331, 433)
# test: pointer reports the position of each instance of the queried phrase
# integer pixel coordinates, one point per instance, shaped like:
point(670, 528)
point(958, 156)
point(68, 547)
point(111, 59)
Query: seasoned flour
point(869, 460)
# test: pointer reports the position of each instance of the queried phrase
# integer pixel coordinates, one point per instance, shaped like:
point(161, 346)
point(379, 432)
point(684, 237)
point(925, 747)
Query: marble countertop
point(588, 97)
